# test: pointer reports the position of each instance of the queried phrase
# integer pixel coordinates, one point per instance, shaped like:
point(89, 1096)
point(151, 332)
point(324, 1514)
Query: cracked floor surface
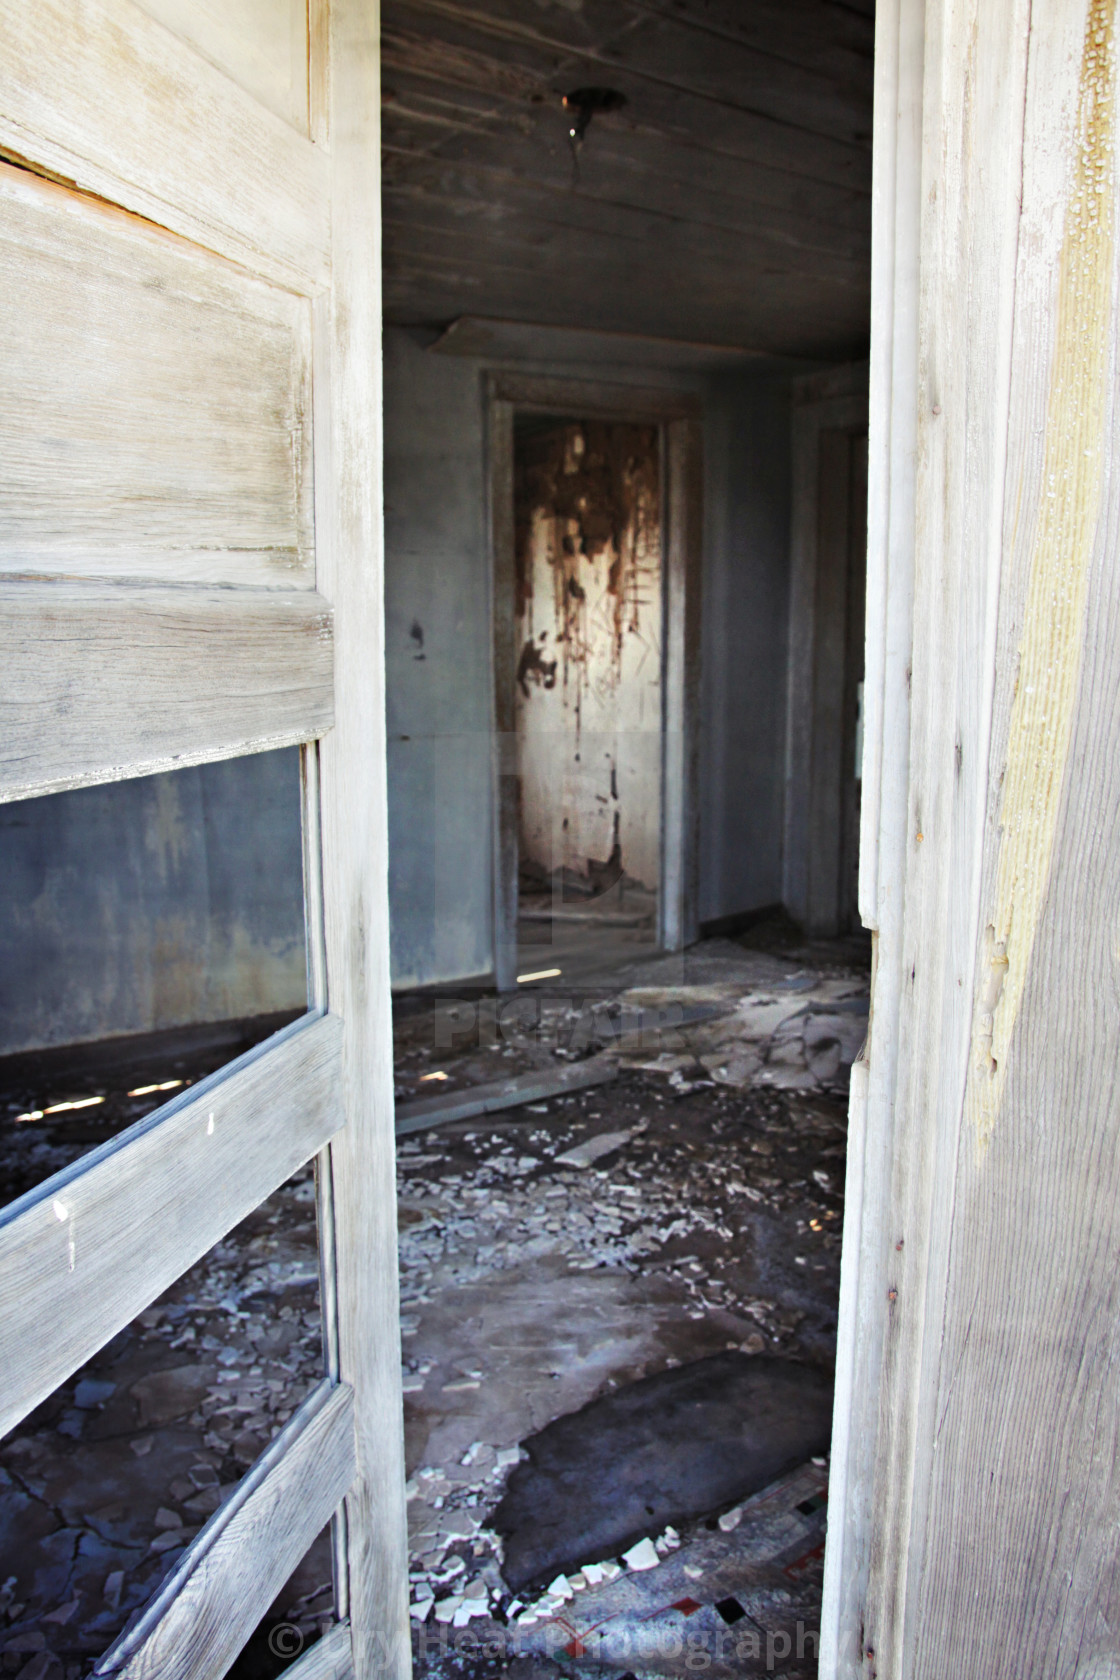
point(530, 1285)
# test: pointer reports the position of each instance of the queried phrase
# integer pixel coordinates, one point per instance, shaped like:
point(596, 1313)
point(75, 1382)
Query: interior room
point(626, 249)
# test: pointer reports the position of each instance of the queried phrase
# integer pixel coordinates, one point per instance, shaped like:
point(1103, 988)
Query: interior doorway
point(588, 688)
point(595, 533)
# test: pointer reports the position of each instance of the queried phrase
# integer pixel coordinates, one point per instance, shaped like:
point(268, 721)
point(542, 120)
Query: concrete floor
point(530, 1285)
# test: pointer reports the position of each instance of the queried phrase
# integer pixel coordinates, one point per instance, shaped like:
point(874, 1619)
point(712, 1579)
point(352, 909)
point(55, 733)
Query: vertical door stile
point(362, 1177)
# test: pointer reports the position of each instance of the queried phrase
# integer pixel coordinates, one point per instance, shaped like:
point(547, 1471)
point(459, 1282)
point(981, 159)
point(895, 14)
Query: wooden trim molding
point(678, 413)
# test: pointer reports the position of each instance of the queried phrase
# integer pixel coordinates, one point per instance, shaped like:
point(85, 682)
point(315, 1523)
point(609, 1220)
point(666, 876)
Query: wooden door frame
point(824, 404)
point(678, 415)
point(90, 1247)
point(988, 363)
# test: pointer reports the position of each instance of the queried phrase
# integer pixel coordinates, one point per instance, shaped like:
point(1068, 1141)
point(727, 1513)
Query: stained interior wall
point(176, 899)
point(159, 902)
point(439, 651)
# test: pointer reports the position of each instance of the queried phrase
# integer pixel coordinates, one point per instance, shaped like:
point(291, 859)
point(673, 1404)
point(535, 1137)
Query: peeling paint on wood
point(588, 701)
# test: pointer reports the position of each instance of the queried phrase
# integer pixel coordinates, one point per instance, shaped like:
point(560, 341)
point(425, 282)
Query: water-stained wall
point(439, 644)
point(587, 503)
point(152, 903)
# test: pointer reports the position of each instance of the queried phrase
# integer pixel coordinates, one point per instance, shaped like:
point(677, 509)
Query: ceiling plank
point(652, 47)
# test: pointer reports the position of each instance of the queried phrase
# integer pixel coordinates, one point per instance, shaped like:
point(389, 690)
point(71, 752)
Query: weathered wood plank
point(100, 94)
point(647, 174)
point(425, 1112)
point(653, 212)
point(261, 44)
point(350, 572)
point(95, 1244)
point(156, 420)
point(781, 309)
point(819, 36)
point(647, 51)
point(97, 683)
point(330, 1658)
point(978, 1423)
point(233, 1569)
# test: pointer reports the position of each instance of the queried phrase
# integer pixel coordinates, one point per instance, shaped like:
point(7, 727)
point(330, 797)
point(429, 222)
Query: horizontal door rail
point(99, 683)
point(233, 1569)
point(215, 165)
point(88, 1249)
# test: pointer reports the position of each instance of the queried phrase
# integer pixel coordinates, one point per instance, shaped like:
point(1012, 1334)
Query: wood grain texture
point(425, 1112)
point(330, 1658)
point(262, 45)
point(350, 559)
point(98, 683)
point(871, 1230)
point(727, 201)
point(96, 1243)
point(156, 420)
point(100, 94)
point(1016, 1423)
point(976, 1386)
point(233, 1569)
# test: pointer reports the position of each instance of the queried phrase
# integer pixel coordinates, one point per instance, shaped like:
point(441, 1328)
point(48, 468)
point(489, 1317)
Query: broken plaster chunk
point(642, 1556)
point(560, 1589)
point(421, 1608)
point(731, 1519)
point(594, 1148)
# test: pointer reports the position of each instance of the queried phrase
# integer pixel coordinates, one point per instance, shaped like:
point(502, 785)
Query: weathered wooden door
point(975, 1490)
point(190, 569)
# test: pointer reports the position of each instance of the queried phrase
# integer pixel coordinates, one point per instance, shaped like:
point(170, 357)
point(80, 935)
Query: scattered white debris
point(586, 1154)
point(641, 1556)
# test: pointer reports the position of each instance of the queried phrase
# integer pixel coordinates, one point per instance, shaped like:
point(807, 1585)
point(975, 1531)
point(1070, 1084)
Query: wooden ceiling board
point(728, 201)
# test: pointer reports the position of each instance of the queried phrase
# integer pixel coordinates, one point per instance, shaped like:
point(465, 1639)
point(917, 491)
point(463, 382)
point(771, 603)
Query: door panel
point(101, 95)
point(260, 44)
point(234, 671)
point(158, 412)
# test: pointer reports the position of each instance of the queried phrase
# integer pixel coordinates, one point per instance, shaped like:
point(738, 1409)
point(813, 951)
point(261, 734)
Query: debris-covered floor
point(552, 1255)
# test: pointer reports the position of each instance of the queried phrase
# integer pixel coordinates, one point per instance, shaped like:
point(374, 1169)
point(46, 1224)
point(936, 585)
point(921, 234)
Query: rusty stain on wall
point(588, 577)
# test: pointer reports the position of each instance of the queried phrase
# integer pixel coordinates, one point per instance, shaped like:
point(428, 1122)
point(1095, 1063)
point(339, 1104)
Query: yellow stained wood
point(1074, 464)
